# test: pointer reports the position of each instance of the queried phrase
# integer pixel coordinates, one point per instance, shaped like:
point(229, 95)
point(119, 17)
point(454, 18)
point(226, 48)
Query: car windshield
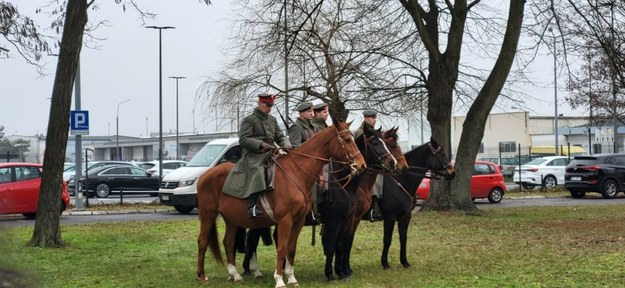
point(536, 161)
point(147, 166)
point(206, 156)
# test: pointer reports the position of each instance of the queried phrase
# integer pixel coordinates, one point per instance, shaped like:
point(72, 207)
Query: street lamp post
point(160, 99)
point(117, 130)
point(555, 92)
point(177, 131)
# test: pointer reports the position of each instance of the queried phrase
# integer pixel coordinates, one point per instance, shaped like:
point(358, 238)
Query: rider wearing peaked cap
point(258, 135)
point(302, 129)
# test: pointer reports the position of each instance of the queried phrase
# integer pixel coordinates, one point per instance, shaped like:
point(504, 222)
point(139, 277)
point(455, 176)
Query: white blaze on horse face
point(289, 270)
point(234, 275)
point(389, 152)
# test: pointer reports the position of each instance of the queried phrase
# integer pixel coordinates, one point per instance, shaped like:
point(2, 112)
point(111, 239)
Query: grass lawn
point(512, 247)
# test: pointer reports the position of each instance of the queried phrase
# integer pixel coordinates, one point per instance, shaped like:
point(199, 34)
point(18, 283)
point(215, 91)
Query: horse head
point(346, 148)
point(374, 149)
point(441, 164)
point(431, 157)
point(391, 140)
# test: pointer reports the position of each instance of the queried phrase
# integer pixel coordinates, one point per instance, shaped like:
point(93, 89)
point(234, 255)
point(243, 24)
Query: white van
point(179, 187)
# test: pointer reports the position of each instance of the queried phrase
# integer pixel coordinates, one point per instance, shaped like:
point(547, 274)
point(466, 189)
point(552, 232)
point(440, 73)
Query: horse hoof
point(407, 265)
point(386, 267)
point(202, 280)
point(294, 284)
point(330, 278)
point(235, 279)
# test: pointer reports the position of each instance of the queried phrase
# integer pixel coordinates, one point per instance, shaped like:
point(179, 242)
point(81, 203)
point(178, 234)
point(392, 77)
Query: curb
point(113, 212)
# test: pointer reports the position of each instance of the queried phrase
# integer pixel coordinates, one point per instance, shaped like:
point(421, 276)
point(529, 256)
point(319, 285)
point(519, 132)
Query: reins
point(350, 164)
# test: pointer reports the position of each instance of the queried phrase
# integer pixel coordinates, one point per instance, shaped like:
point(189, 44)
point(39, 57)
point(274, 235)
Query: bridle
point(377, 154)
point(351, 161)
point(430, 173)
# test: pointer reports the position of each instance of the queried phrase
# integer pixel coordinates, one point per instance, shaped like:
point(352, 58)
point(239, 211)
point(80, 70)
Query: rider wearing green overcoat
point(258, 135)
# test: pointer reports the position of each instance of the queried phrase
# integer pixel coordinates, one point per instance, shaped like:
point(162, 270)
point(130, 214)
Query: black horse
point(398, 196)
point(336, 204)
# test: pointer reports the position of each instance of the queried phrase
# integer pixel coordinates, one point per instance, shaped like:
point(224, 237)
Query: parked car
point(486, 182)
point(102, 181)
point(168, 166)
point(507, 165)
point(604, 174)
point(179, 188)
point(19, 189)
point(70, 172)
point(547, 171)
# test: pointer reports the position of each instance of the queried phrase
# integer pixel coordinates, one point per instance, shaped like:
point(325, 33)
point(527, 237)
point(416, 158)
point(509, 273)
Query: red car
point(487, 182)
point(19, 189)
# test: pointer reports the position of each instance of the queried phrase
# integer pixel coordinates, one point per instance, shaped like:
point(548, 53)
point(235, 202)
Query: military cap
point(320, 106)
point(266, 98)
point(369, 113)
point(304, 106)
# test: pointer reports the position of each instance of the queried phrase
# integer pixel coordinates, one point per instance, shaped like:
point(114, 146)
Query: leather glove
point(265, 147)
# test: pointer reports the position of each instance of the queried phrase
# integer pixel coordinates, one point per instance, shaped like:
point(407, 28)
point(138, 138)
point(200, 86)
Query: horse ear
point(434, 143)
point(349, 124)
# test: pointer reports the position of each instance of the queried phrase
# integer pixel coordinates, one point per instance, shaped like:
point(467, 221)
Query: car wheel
point(102, 190)
point(528, 186)
point(153, 194)
point(30, 215)
point(550, 182)
point(577, 194)
point(610, 188)
point(184, 209)
point(495, 195)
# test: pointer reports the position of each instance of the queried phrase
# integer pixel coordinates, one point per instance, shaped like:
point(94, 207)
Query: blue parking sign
point(79, 122)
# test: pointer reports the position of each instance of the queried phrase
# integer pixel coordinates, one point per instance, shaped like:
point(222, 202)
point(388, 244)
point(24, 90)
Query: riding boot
point(253, 209)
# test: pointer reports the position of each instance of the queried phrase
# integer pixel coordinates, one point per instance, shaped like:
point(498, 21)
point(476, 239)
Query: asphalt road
point(122, 216)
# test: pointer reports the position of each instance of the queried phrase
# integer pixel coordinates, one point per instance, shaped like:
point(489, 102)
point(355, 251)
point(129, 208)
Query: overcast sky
point(125, 66)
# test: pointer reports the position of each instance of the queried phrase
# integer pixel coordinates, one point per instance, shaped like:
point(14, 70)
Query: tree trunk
point(443, 67)
point(47, 229)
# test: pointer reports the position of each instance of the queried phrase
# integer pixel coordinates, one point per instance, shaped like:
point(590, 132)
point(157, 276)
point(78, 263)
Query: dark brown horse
point(398, 199)
point(290, 201)
point(362, 204)
point(340, 201)
point(343, 202)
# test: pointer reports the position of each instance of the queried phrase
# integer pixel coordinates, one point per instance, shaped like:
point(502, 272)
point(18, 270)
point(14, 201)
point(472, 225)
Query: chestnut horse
point(294, 176)
point(398, 199)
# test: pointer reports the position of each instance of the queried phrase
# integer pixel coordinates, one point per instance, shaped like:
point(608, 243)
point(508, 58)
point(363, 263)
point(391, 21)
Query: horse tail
point(213, 243)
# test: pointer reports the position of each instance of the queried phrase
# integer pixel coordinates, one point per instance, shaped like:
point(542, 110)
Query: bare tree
point(72, 16)
point(599, 88)
point(350, 54)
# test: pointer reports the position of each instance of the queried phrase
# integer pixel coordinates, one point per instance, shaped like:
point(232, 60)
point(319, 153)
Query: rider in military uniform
point(302, 129)
point(258, 135)
point(369, 123)
point(371, 118)
point(321, 115)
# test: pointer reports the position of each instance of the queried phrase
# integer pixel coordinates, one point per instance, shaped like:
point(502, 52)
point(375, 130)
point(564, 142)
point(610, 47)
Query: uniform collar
point(260, 114)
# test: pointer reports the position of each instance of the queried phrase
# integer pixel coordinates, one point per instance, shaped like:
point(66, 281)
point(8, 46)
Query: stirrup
point(254, 212)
